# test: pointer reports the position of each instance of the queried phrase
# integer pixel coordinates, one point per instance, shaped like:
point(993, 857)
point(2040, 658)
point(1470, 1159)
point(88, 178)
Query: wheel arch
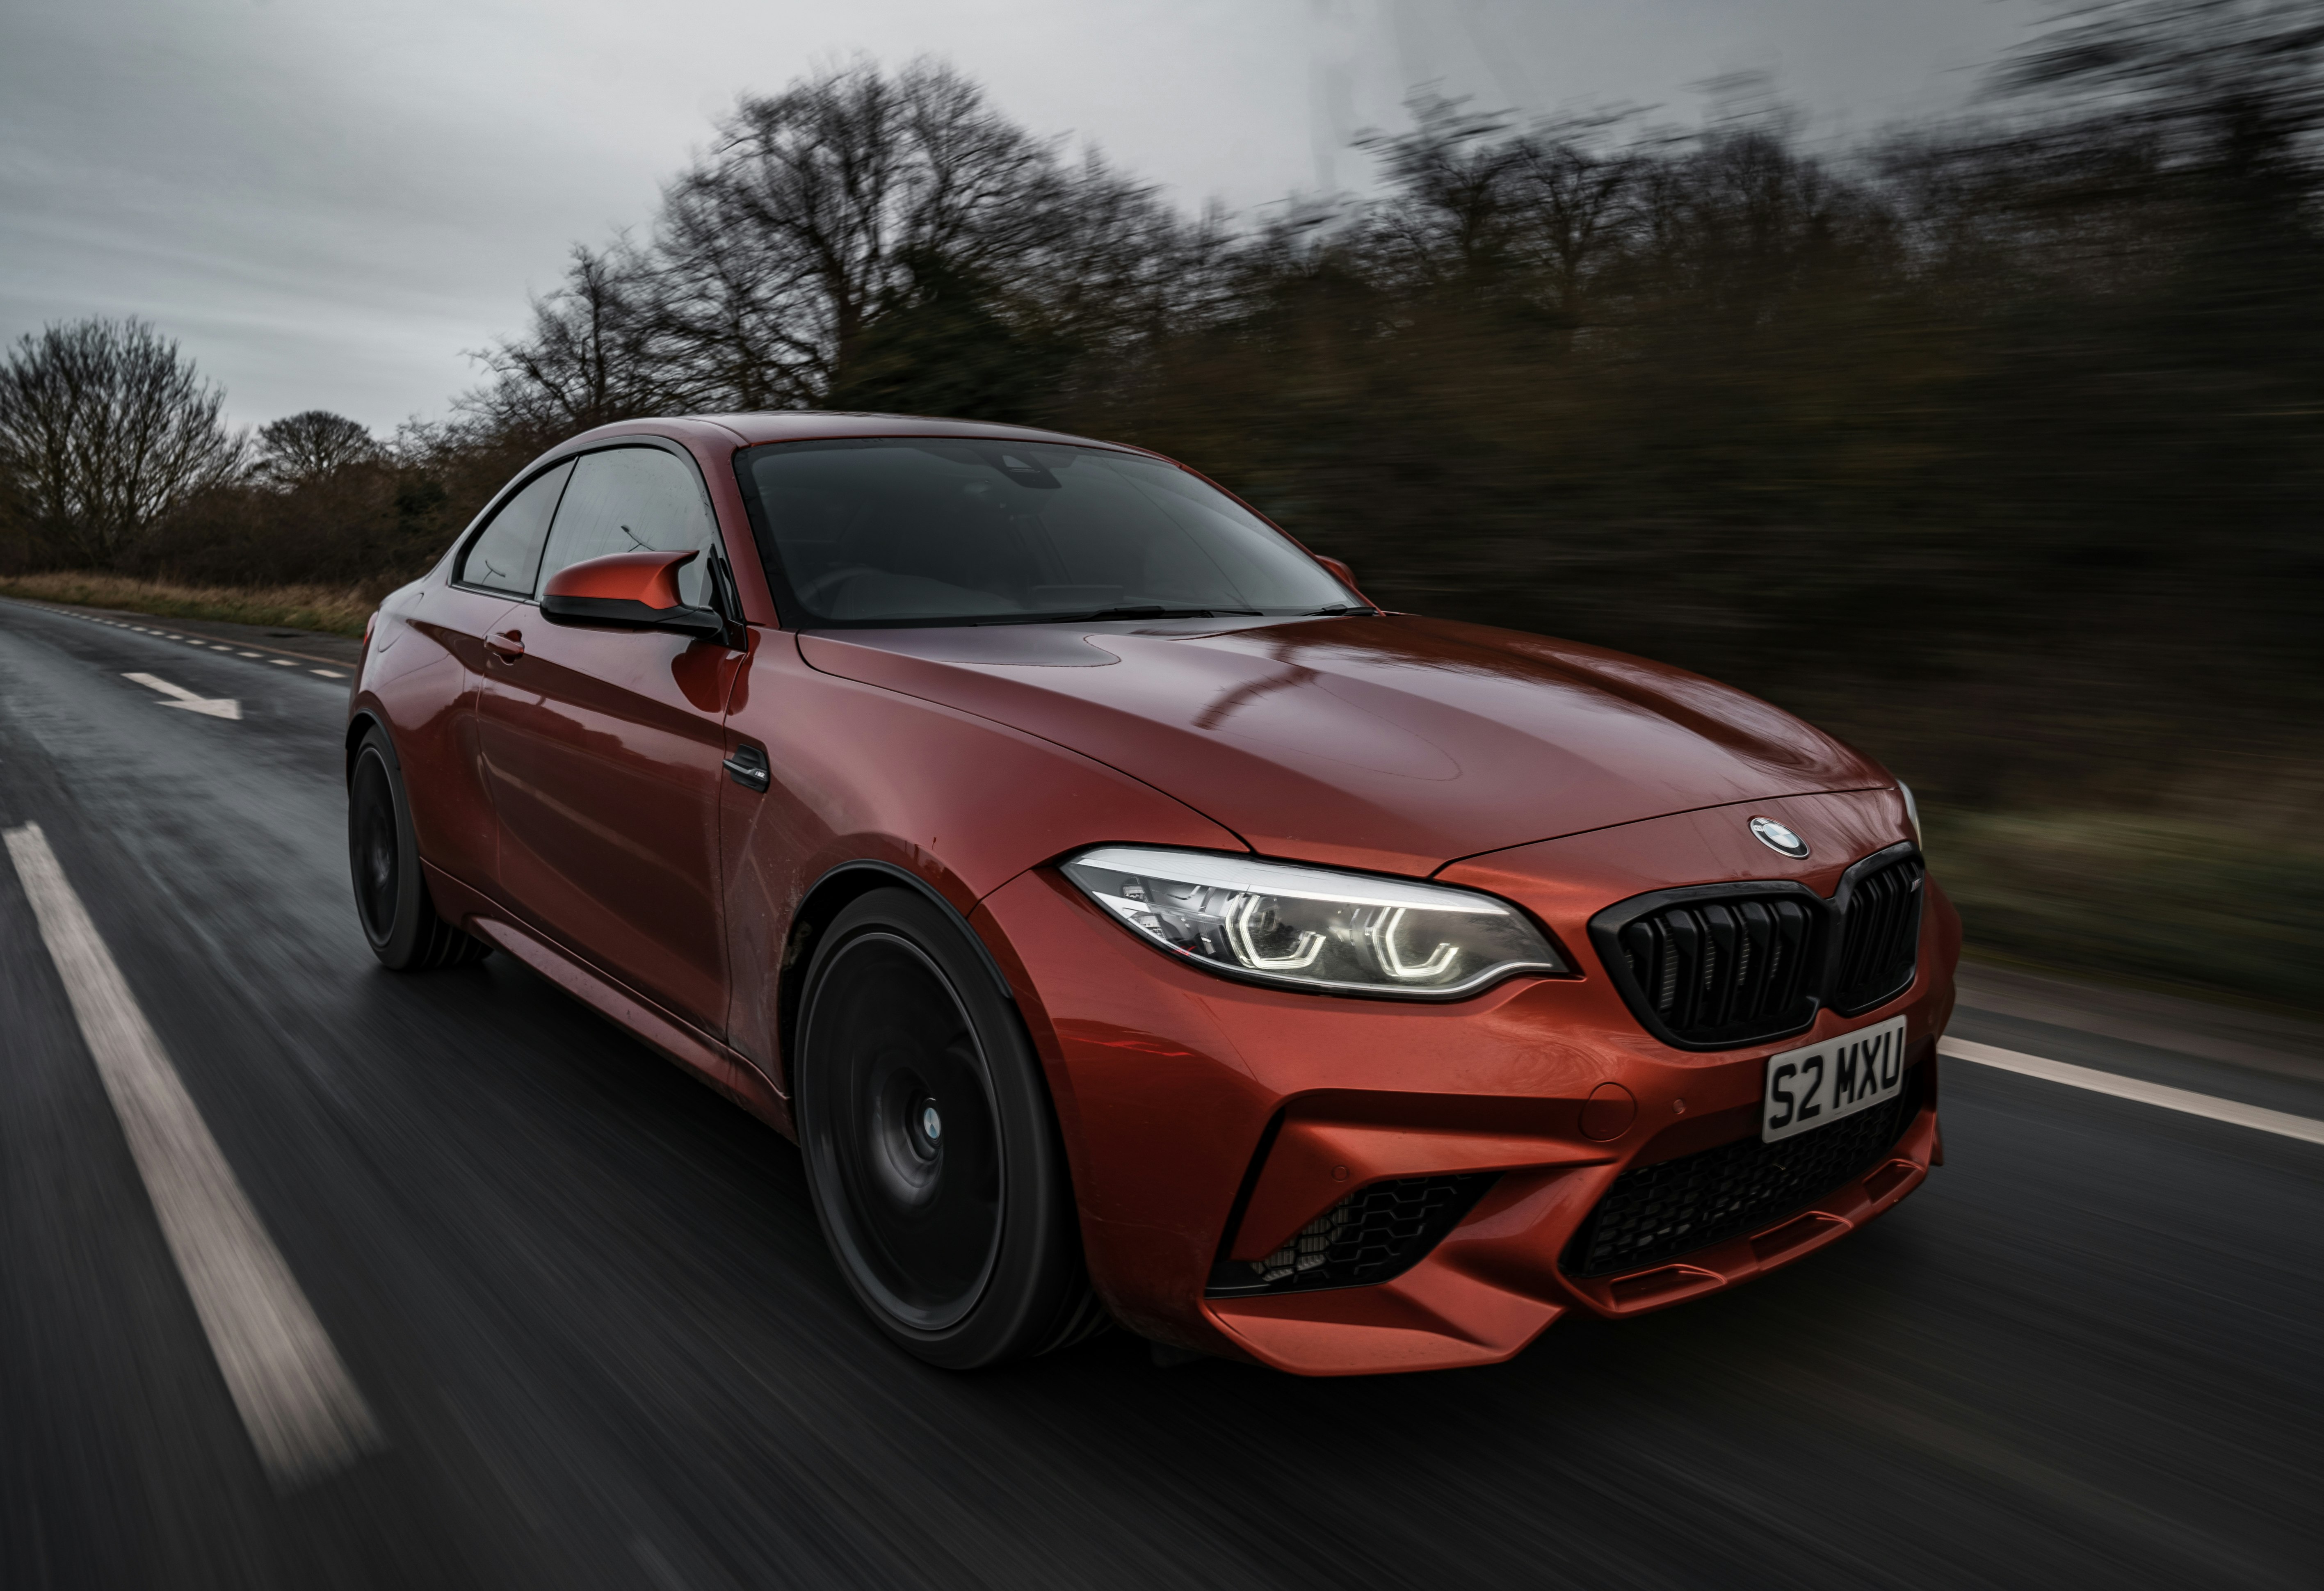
point(838, 888)
point(364, 721)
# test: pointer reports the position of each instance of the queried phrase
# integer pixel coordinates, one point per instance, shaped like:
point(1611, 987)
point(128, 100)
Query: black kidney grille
point(1714, 966)
point(1880, 942)
point(1739, 965)
point(1654, 1213)
point(1372, 1234)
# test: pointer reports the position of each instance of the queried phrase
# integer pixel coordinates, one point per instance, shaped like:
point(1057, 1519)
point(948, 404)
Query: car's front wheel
point(931, 1150)
point(391, 892)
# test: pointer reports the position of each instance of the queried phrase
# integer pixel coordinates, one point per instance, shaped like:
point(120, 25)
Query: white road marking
point(2307, 1129)
point(327, 672)
point(282, 662)
point(245, 654)
point(213, 707)
point(303, 1411)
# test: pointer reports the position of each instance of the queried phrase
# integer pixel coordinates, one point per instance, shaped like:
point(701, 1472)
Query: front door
point(434, 675)
point(603, 748)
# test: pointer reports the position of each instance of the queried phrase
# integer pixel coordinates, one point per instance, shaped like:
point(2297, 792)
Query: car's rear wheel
point(391, 892)
point(931, 1149)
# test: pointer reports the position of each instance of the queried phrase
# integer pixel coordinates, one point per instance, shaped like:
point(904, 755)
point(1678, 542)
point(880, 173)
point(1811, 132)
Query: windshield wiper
point(1132, 611)
point(1339, 608)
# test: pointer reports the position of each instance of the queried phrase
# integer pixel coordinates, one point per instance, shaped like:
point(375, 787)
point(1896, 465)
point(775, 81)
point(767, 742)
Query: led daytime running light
point(1314, 928)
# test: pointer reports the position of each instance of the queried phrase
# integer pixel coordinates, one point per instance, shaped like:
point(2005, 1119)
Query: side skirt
point(727, 1070)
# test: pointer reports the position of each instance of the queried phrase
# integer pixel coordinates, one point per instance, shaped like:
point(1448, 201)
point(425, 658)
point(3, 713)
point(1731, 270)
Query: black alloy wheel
point(391, 900)
point(932, 1153)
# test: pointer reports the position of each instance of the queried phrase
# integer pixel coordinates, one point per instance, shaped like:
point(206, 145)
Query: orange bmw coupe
point(1132, 922)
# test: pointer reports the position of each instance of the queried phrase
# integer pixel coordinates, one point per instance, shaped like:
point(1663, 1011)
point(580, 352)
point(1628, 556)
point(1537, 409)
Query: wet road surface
point(586, 1305)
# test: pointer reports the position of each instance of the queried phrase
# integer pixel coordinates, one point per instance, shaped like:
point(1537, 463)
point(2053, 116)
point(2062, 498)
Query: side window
point(507, 554)
point(635, 499)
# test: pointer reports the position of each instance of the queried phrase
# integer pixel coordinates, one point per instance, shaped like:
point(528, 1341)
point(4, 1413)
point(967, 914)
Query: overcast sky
point(329, 201)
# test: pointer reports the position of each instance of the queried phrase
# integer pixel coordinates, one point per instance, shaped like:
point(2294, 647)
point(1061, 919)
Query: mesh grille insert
point(1881, 942)
point(1658, 1212)
point(1372, 1234)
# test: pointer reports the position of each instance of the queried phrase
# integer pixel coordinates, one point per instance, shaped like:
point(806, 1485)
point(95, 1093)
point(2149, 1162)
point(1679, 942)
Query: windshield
point(944, 530)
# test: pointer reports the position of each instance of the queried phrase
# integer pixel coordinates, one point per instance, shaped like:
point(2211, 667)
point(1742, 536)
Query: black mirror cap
point(621, 614)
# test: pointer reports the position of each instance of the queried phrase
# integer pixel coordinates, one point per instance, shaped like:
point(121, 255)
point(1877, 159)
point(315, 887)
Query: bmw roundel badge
point(1778, 839)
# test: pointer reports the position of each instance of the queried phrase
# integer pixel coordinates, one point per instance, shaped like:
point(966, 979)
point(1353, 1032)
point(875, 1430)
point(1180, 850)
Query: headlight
point(1912, 812)
point(1310, 928)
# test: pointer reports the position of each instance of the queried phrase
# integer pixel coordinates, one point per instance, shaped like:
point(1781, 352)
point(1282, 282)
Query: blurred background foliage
point(1994, 446)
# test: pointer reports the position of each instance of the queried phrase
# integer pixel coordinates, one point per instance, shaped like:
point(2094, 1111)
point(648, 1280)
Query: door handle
point(509, 645)
point(748, 767)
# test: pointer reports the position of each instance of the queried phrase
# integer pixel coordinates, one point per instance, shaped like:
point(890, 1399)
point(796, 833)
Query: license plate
point(1822, 1082)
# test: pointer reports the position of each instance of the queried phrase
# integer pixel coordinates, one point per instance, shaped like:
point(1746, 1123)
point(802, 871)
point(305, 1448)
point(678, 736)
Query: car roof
point(798, 424)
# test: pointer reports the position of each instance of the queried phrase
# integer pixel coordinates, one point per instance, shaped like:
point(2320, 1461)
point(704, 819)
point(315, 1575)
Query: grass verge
point(2183, 903)
point(334, 610)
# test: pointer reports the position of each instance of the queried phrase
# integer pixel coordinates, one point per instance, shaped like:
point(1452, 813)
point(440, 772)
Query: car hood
point(1392, 743)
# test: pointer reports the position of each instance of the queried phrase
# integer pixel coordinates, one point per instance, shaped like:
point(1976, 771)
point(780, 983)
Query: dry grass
point(2162, 900)
point(339, 611)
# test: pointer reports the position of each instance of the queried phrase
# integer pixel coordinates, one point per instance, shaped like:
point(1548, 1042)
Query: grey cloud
point(329, 201)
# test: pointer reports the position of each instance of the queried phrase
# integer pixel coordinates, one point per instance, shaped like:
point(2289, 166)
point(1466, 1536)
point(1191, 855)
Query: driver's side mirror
point(628, 590)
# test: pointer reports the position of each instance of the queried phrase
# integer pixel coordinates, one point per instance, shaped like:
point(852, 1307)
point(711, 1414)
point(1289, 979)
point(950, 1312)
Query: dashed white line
point(282, 663)
point(2280, 1122)
point(327, 672)
point(302, 1410)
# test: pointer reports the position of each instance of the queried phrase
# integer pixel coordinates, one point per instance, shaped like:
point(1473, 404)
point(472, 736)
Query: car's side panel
point(602, 747)
point(420, 676)
point(858, 773)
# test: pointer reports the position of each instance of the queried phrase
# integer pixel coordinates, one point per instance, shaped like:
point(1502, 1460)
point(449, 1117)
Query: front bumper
point(1208, 1121)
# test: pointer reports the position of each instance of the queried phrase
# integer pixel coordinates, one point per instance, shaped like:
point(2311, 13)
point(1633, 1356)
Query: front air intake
point(1654, 1213)
point(1371, 1235)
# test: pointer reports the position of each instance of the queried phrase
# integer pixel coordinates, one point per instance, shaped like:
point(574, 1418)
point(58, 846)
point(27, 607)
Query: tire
point(932, 1153)
point(391, 900)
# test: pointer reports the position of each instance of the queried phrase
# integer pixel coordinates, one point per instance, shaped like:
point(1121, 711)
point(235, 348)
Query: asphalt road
point(586, 1303)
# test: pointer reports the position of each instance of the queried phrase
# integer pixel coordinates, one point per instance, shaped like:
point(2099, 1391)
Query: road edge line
point(301, 1406)
point(2282, 1123)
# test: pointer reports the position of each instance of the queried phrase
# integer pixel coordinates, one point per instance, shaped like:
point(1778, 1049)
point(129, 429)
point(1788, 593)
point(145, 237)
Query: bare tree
point(1458, 216)
point(312, 447)
point(851, 197)
point(105, 429)
point(808, 218)
point(593, 355)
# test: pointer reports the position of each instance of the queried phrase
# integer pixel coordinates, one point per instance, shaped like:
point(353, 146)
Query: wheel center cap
point(931, 1124)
